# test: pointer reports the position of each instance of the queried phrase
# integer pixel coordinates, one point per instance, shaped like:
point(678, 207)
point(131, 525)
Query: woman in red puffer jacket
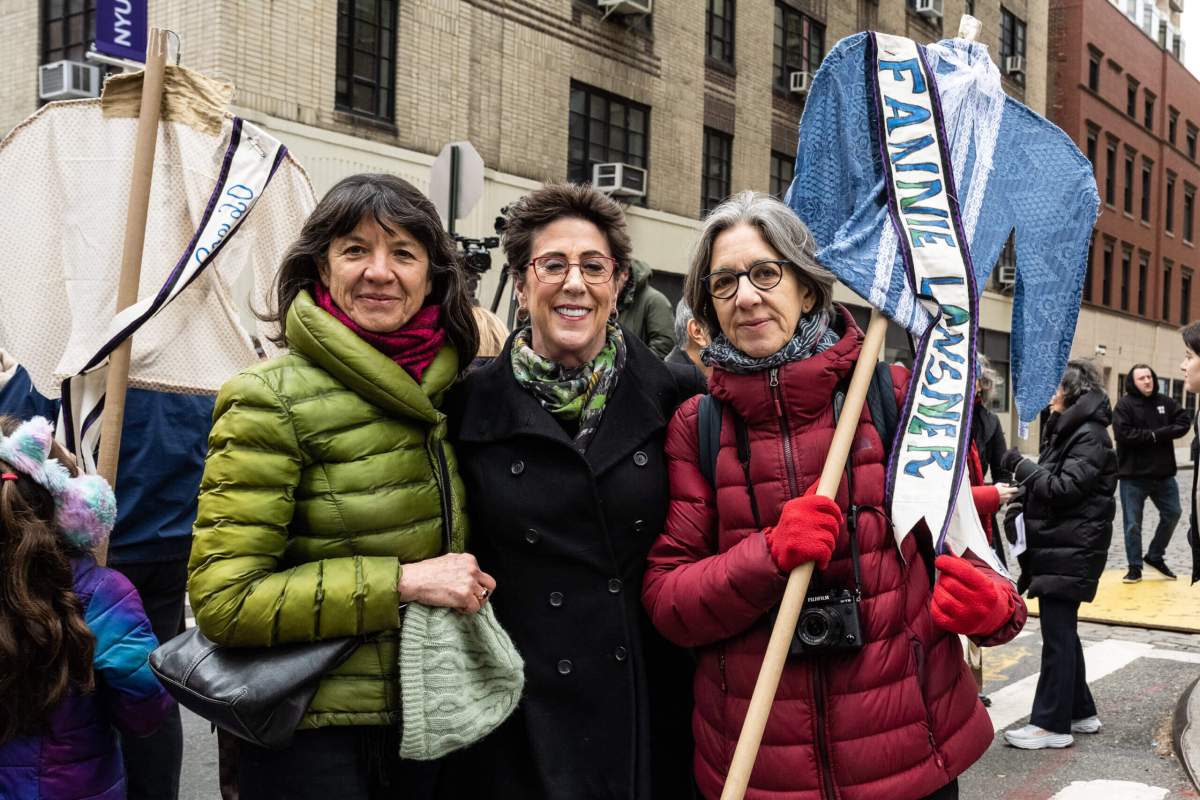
point(898, 718)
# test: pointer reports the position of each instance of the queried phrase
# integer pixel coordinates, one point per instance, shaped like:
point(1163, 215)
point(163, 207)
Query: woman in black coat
point(560, 443)
point(1068, 516)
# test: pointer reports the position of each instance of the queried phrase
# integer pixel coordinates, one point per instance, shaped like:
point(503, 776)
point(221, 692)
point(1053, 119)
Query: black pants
point(1062, 691)
point(349, 763)
point(152, 763)
point(947, 792)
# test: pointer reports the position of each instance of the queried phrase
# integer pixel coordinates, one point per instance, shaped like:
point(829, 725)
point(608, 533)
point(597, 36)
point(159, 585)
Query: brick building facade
point(1117, 86)
point(696, 92)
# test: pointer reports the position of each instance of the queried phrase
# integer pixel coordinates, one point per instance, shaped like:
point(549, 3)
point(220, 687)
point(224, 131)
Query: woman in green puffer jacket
point(330, 498)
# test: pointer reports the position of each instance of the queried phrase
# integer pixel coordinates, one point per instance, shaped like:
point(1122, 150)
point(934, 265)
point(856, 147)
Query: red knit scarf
point(412, 346)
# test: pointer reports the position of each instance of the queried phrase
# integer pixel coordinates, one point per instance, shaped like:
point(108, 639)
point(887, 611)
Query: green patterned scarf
point(574, 395)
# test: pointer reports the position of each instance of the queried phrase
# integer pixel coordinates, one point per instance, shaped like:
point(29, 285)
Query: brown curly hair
point(46, 646)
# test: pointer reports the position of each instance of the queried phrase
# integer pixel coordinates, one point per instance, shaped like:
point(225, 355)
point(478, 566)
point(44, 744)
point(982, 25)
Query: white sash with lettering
point(251, 159)
point(929, 458)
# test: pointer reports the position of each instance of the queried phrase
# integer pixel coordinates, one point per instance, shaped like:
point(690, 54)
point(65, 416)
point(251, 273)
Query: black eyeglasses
point(554, 268)
point(764, 275)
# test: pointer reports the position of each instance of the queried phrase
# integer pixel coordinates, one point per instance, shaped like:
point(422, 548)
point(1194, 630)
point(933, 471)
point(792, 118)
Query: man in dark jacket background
point(646, 312)
point(690, 339)
point(1146, 424)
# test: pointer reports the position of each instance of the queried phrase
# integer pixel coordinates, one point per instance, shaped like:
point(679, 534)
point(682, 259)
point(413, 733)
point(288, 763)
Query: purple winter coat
point(78, 756)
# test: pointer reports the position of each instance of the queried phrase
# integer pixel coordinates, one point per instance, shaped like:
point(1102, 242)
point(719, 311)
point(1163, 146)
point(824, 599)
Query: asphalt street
point(1137, 676)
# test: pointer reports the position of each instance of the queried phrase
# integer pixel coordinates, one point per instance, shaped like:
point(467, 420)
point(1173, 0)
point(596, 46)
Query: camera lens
point(818, 627)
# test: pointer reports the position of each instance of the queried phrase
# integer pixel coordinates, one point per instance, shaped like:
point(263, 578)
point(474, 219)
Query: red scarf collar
point(413, 346)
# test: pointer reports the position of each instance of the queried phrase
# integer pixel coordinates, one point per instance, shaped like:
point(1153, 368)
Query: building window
point(719, 27)
point(1128, 189)
point(1170, 211)
point(1110, 174)
point(1148, 117)
point(715, 184)
point(1092, 137)
point(1147, 172)
point(1143, 276)
point(1012, 41)
point(1091, 269)
point(366, 58)
point(1189, 208)
point(68, 29)
point(1166, 289)
point(1191, 141)
point(1131, 98)
point(799, 44)
point(1172, 123)
point(783, 167)
point(1093, 78)
point(1106, 277)
point(995, 347)
point(1185, 296)
point(604, 128)
point(1126, 259)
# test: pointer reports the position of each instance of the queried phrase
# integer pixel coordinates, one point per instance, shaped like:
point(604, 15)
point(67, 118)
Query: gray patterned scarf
point(814, 334)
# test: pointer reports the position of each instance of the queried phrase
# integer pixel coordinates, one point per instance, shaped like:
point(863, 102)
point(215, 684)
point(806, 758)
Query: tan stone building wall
point(499, 72)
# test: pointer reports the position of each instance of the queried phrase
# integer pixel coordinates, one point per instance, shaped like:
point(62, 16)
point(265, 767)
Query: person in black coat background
point(988, 437)
point(1068, 516)
point(1146, 424)
point(564, 508)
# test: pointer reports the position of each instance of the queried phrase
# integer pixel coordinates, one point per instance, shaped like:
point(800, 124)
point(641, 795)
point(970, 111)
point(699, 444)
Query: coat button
point(640, 458)
point(564, 667)
point(639, 526)
point(556, 599)
point(620, 654)
point(517, 467)
point(614, 585)
point(532, 536)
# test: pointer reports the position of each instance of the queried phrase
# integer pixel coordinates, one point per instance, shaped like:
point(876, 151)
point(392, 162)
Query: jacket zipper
point(919, 655)
point(785, 430)
point(824, 762)
point(447, 496)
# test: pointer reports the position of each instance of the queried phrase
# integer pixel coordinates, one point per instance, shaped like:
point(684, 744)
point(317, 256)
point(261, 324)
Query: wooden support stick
point(131, 256)
point(763, 698)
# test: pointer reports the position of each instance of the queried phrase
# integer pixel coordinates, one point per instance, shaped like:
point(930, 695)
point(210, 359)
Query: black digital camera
point(828, 622)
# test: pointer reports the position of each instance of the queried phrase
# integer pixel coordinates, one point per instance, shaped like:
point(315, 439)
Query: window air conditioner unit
point(1015, 65)
point(619, 180)
point(799, 82)
point(626, 7)
point(66, 80)
point(930, 9)
point(1006, 275)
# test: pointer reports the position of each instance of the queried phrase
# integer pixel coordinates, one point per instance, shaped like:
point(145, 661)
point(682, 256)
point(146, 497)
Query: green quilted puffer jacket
point(327, 471)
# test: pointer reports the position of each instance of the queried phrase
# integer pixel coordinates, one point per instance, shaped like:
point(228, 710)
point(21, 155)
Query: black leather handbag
point(258, 694)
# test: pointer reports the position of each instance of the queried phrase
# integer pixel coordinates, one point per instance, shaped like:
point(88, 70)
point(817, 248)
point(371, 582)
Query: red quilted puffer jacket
point(899, 718)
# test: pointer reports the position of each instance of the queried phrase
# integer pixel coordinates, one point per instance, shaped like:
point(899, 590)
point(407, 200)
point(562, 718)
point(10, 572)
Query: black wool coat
point(607, 702)
point(1069, 505)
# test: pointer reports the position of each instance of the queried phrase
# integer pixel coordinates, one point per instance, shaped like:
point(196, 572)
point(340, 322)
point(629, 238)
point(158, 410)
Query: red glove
point(965, 600)
point(806, 531)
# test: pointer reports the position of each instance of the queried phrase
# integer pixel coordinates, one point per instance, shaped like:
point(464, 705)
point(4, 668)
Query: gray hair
point(987, 377)
point(683, 315)
point(1080, 378)
point(779, 227)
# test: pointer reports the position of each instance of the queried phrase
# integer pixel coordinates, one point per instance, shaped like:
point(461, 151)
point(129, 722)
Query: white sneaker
point(1031, 737)
point(1090, 724)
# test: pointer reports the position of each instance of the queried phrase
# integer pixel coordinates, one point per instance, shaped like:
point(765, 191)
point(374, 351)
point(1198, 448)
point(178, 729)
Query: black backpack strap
point(881, 402)
point(708, 423)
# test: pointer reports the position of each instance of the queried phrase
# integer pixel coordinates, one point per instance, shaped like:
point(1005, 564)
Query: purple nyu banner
point(121, 28)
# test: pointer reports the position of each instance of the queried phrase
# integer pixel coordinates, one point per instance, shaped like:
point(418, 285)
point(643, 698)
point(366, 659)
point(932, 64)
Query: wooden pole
point(763, 698)
point(131, 256)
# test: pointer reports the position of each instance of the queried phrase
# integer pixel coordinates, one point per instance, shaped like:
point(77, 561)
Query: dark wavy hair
point(45, 645)
point(538, 209)
point(392, 203)
point(1080, 378)
point(1191, 336)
